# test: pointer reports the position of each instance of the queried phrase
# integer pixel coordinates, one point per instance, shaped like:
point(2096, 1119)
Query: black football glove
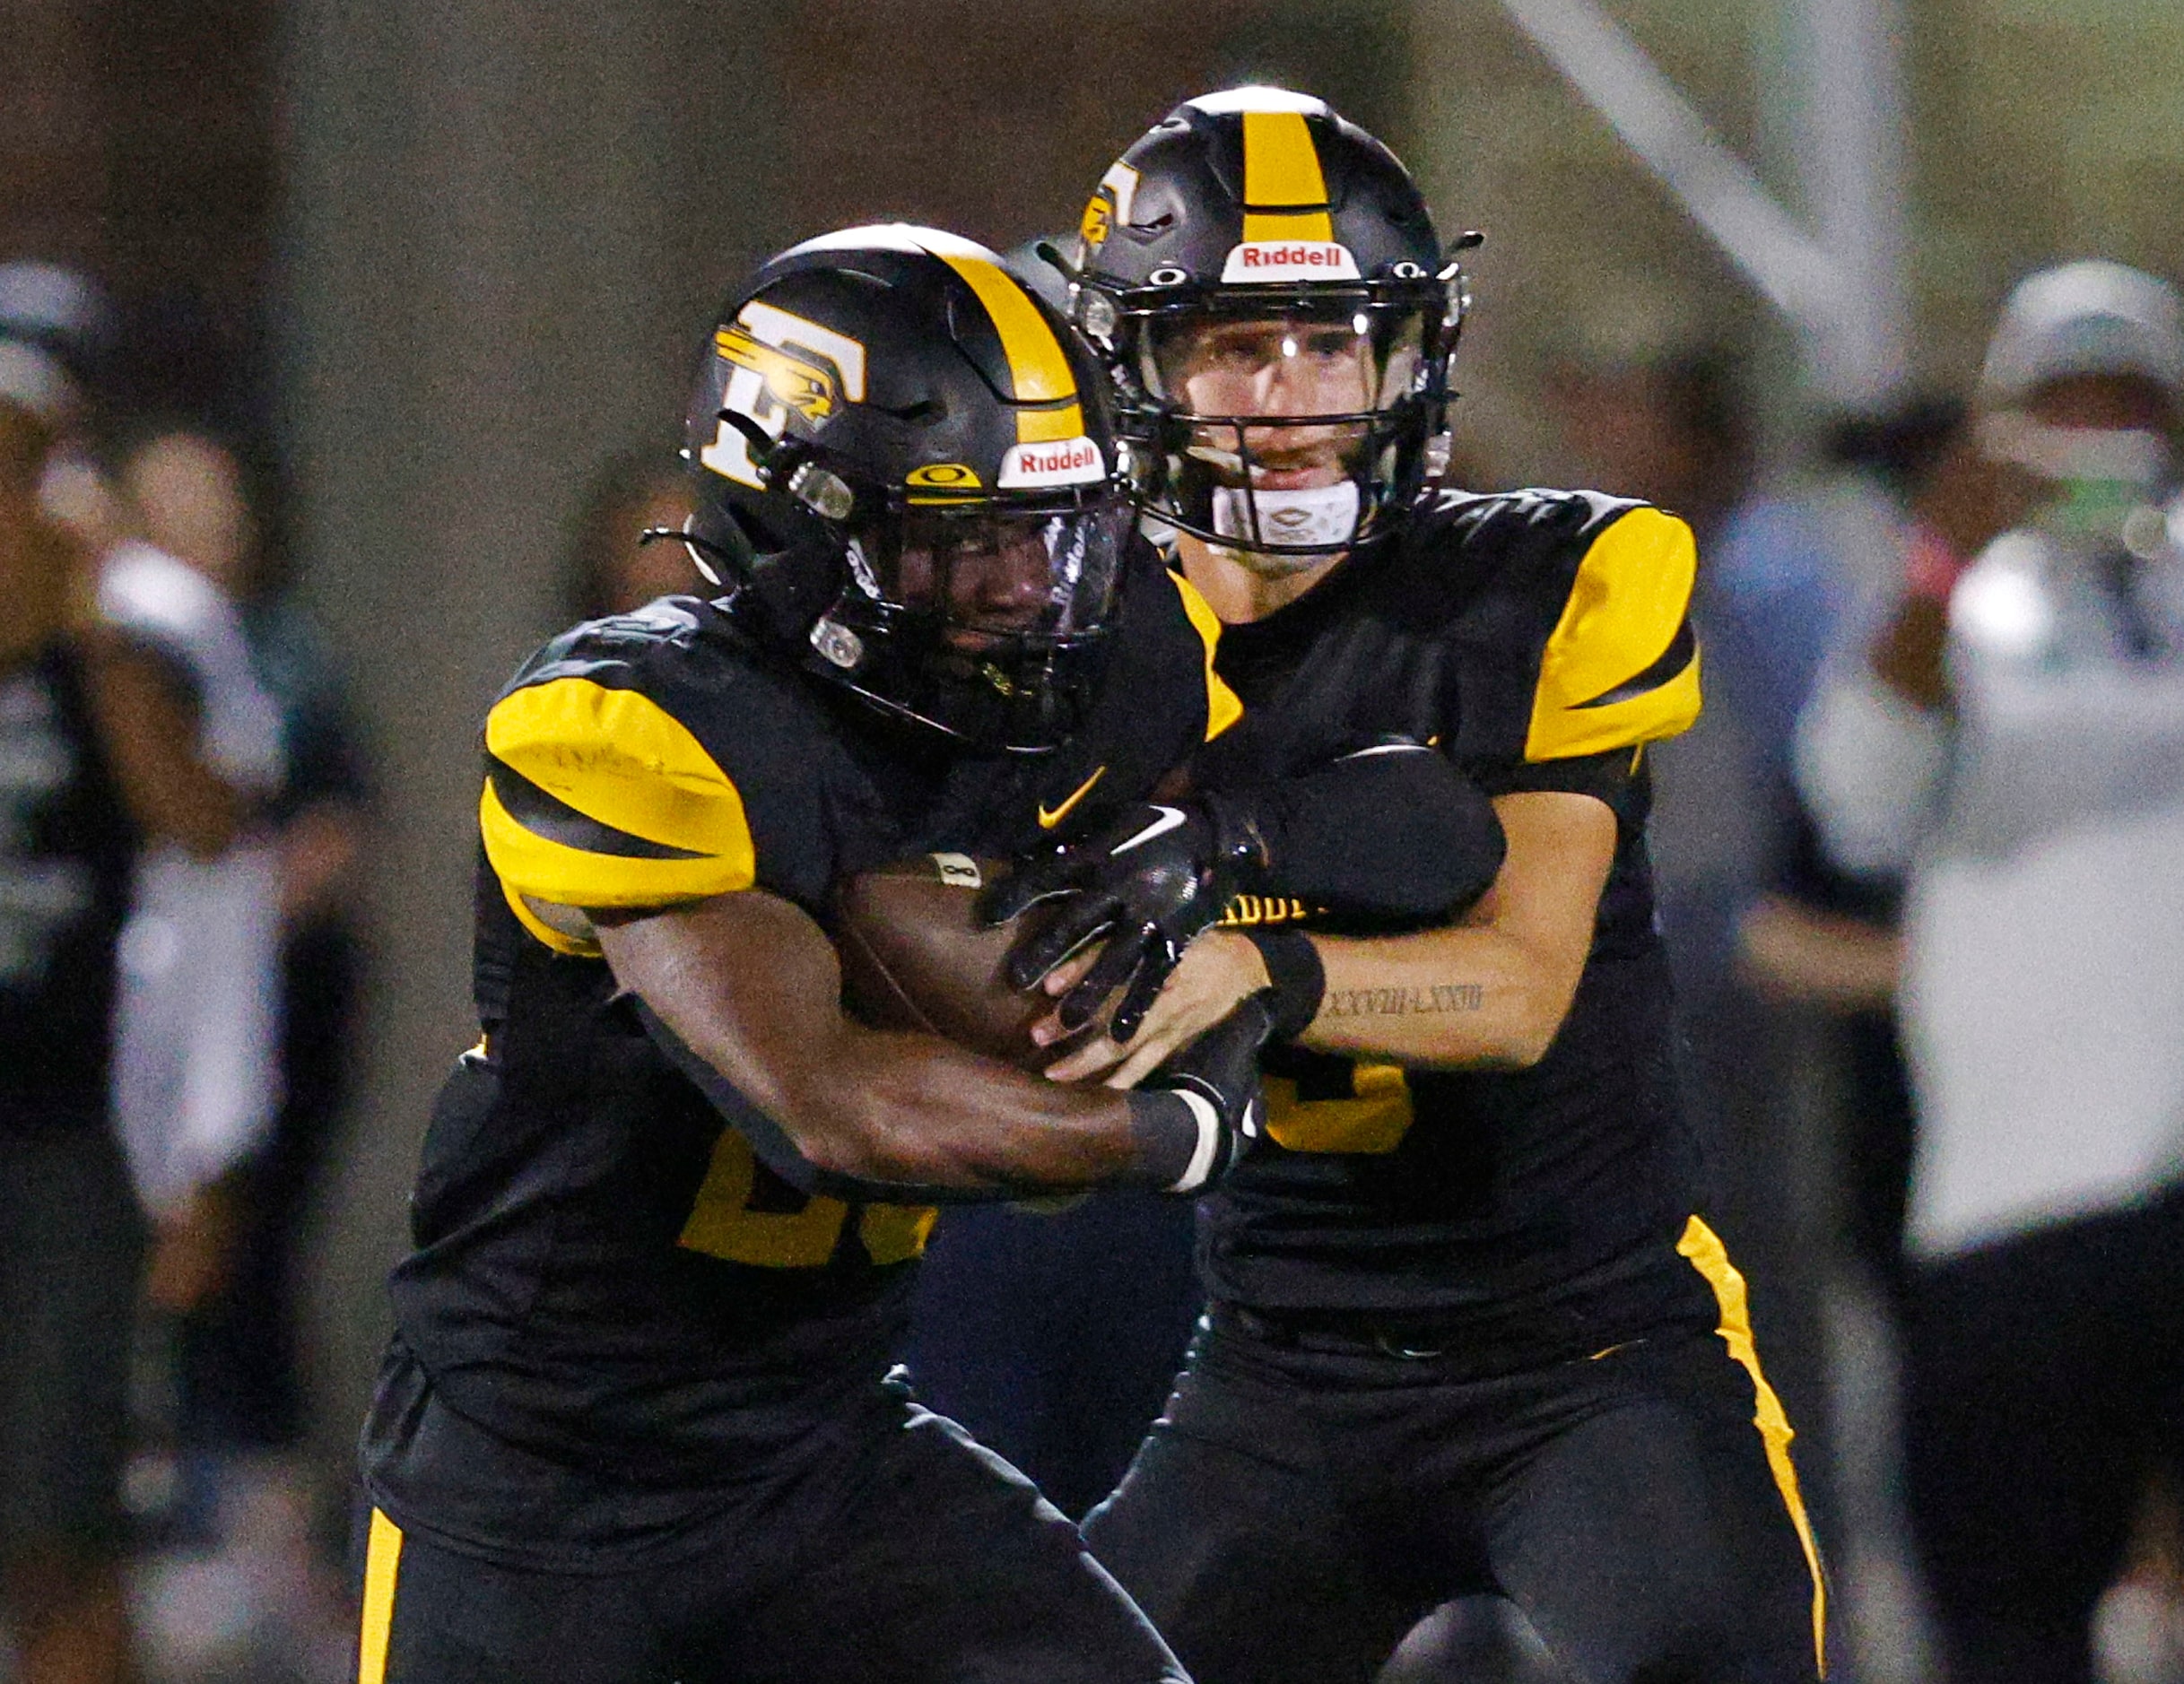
point(1390, 830)
point(1198, 1114)
point(1148, 883)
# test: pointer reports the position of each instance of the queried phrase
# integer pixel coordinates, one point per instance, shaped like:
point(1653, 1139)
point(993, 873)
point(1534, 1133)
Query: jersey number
point(726, 1221)
point(1371, 1120)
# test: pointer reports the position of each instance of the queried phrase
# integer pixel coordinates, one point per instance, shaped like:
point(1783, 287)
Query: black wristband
point(1295, 977)
point(1178, 1138)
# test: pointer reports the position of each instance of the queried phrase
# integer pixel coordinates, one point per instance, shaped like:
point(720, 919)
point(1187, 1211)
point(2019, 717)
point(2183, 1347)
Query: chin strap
point(703, 552)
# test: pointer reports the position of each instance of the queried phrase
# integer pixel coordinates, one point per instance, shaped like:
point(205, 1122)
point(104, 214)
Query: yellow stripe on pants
point(1703, 1249)
point(382, 1557)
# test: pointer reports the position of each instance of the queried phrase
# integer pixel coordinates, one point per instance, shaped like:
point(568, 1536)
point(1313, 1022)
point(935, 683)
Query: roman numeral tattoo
point(1395, 1003)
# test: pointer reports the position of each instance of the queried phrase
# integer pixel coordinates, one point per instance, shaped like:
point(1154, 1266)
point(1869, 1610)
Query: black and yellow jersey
point(1540, 638)
point(605, 1277)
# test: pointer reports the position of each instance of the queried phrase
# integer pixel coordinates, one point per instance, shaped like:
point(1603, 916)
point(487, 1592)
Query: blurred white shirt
point(196, 1067)
point(2043, 830)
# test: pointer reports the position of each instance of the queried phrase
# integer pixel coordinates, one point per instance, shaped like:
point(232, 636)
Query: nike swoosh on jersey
point(1048, 817)
point(1169, 817)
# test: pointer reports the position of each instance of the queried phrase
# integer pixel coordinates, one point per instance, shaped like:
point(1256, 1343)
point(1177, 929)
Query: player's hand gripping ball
point(1143, 887)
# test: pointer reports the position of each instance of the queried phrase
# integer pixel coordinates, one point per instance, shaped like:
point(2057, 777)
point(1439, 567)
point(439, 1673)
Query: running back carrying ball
point(914, 956)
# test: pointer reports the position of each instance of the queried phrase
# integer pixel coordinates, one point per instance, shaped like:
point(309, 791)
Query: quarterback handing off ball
point(915, 957)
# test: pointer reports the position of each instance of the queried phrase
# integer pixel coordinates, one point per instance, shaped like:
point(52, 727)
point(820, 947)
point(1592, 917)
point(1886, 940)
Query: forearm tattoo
point(1397, 1003)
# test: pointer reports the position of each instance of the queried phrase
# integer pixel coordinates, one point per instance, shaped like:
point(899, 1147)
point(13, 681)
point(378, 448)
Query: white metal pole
point(1613, 74)
point(1853, 163)
point(1842, 291)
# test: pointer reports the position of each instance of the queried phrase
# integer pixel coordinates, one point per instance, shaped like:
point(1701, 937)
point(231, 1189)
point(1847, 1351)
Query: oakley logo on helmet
point(943, 476)
point(1261, 260)
point(960, 871)
point(1071, 462)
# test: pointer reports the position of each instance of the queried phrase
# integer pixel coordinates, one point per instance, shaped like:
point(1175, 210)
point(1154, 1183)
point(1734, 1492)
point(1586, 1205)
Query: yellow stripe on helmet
point(1039, 371)
point(1282, 168)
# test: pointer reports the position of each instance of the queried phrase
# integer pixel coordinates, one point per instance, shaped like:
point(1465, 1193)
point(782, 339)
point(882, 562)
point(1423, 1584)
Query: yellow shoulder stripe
point(1038, 368)
point(528, 864)
point(618, 757)
point(1223, 707)
point(1282, 168)
point(1625, 617)
point(619, 760)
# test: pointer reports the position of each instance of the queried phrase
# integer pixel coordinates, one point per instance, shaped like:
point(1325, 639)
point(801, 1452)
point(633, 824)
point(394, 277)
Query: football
point(914, 956)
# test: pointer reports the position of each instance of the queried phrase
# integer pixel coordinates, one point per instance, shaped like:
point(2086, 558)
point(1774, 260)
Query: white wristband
point(1208, 1149)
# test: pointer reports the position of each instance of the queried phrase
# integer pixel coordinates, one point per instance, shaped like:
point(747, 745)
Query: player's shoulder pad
point(619, 761)
point(1515, 526)
point(1223, 707)
point(1588, 598)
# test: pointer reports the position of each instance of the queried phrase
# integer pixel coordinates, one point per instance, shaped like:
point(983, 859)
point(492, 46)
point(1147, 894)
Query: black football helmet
point(905, 470)
point(1259, 206)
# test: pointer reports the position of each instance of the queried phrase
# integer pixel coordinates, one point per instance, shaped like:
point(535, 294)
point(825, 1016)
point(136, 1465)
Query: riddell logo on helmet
point(1069, 461)
point(1263, 260)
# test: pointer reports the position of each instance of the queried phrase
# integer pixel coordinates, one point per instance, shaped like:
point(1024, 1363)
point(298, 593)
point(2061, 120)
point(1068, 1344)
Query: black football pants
point(1295, 1512)
point(1055, 1339)
point(945, 1568)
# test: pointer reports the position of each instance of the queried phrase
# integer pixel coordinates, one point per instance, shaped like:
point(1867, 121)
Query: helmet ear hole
point(745, 529)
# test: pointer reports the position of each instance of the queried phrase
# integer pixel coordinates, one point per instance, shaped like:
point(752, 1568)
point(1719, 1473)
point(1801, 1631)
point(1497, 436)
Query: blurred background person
point(2011, 742)
point(98, 763)
point(251, 1499)
point(609, 567)
point(196, 1074)
point(194, 1014)
point(1815, 939)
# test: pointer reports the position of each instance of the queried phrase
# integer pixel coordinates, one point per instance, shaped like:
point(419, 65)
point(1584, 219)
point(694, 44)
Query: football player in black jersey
point(1468, 1330)
point(635, 1423)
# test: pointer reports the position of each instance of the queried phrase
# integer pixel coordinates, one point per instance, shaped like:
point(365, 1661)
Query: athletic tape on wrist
point(1208, 1149)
